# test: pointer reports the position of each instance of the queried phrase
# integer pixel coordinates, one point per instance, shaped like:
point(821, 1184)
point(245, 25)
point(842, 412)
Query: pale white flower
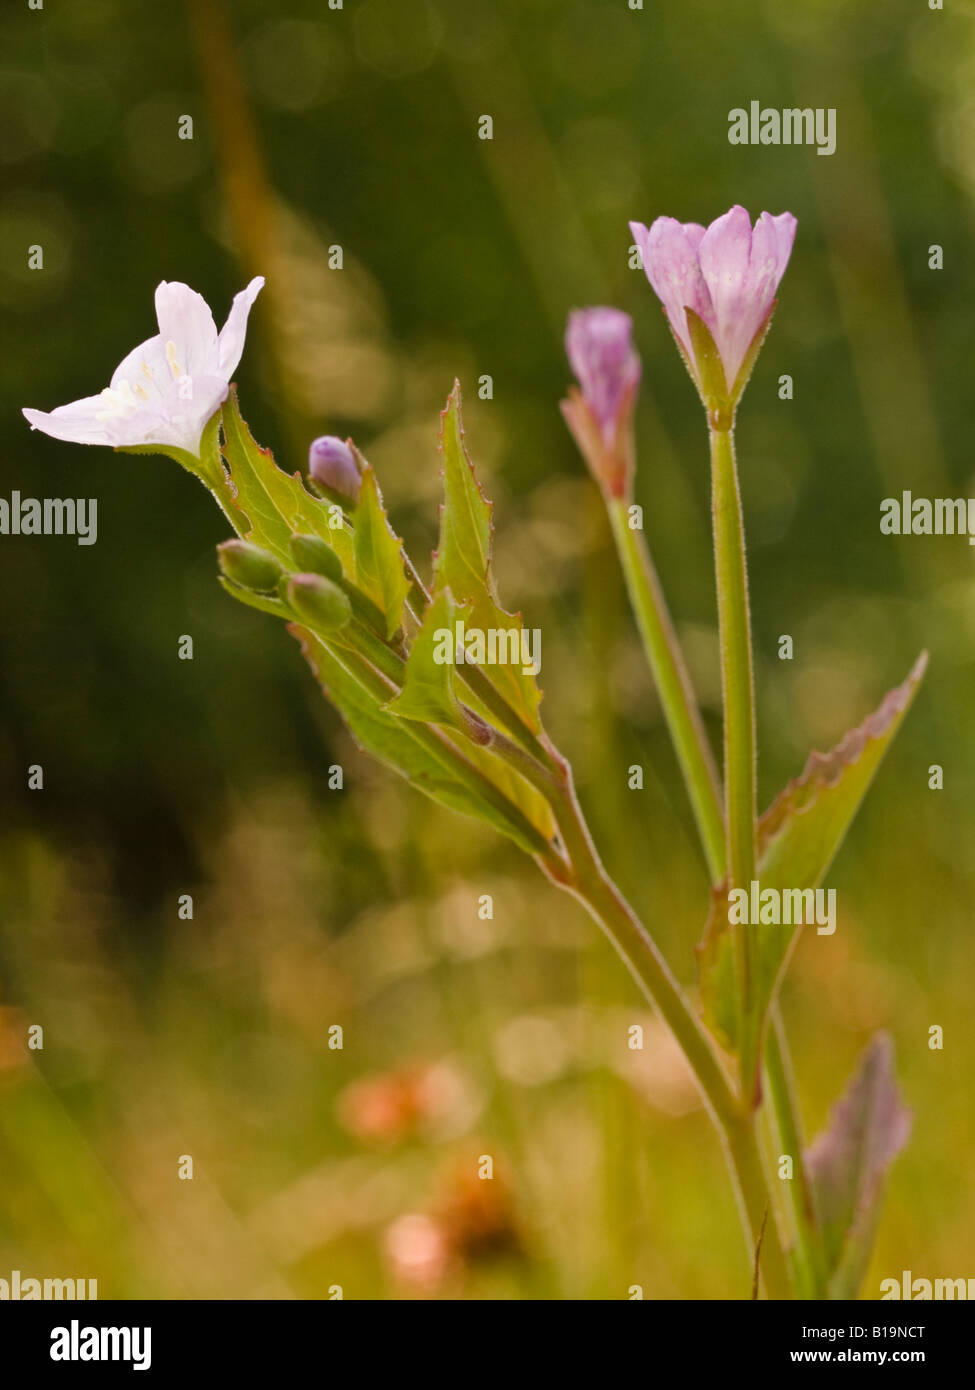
point(165, 390)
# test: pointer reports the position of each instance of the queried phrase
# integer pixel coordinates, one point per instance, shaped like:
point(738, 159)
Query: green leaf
point(266, 505)
point(380, 562)
point(427, 762)
point(847, 1164)
point(798, 838)
point(264, 603)
point(428, 692)
point(463, 563)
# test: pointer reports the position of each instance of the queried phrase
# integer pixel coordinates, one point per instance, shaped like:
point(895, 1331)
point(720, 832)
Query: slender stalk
point(673, 685)
point(739, 724)
point(781, 1085)
point(588, 881)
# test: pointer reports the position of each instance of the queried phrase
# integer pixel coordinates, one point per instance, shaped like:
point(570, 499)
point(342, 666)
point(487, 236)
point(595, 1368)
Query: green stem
point(588, 881)
point(739, 725)
point(808, 1260)
point(673, 684)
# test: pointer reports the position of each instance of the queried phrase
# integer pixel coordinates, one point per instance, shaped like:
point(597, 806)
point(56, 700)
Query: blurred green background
point(316, 128)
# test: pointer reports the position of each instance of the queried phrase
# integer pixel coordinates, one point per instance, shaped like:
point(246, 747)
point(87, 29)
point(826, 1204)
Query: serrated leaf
point(428, 692)
point(848, 1161)
point(463, 562)
point(402, 746)
point(797, 839)
point(265, 504)
point(380, 562)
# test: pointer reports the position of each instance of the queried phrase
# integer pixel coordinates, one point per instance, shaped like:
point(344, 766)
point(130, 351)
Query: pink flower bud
point(727, 275)
point(600, 349)
point(599, 345)
point(332, 465)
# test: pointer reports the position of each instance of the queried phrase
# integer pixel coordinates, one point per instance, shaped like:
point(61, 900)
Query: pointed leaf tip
point(798, 839)
point(848, 1161)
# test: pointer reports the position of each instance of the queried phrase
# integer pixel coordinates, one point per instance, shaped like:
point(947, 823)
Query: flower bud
point(599, 412)
point(315, 556)
point(599, 346)
point(249, 566)
point(318, 602)
point(332, 467)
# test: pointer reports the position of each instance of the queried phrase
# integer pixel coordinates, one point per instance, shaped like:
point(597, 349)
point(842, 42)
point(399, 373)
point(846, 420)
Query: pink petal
point(725, 252)
point(670, 259)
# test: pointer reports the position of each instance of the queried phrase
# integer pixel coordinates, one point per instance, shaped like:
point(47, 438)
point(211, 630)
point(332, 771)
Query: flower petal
point(725, 253)
point(186, 322)
point(78, 422)
point(231, 341)
point(146, 370)
point(670, 258)
point(188, 405)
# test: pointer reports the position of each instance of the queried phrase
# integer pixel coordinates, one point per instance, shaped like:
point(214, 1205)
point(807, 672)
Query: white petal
point(185, 321)
point(77, 423)
point(231, 343)
point(187, 414)
point(146, 370)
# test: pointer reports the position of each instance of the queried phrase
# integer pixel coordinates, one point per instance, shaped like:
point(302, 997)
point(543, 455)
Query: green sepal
point(709, 369)
point(317, 602)
point(312, 555)
point(249, 565)
point(264, 603)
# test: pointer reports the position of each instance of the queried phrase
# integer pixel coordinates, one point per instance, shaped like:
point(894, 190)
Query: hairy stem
point(673, 685)
point(808, 1260)
point(588, 881)
point(739, 725)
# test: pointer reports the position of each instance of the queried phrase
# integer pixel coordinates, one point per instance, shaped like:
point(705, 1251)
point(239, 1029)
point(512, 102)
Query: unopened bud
point(318, 602)
point(332, 467)
point(315, 556)
point(599, 412)
point(249, 566)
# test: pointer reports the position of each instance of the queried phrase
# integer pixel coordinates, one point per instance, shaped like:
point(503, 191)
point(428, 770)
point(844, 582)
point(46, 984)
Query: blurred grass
point(317, 1167)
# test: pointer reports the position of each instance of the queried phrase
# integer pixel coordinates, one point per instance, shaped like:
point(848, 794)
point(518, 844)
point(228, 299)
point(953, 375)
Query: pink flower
point(727, 275)
point(164, 392)
point(599, 344)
